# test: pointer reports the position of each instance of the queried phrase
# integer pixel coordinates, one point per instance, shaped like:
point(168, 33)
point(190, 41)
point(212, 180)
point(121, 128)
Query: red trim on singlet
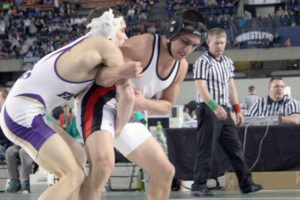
point(89, 108)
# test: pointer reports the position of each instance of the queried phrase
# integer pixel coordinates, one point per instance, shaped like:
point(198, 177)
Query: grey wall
point(187, 91)
point(270, 54)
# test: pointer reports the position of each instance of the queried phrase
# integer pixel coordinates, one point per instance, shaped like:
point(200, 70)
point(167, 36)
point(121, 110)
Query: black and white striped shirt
point(217, 73)
point(249, 101)
point(267, 107)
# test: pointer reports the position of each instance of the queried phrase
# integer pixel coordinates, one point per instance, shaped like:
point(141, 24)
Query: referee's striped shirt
point(267, 107)
point(249, 101)
point(217, 74)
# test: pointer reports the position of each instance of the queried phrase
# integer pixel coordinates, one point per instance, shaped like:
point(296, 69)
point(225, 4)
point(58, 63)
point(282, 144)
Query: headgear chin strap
point(106, 25)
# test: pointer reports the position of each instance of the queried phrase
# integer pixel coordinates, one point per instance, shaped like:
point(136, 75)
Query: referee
point(277, 104)
point(213, 74)
point(250, 100)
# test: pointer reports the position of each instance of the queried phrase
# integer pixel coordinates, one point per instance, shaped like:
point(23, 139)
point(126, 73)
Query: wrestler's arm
point(119, 75)
point(125, 99)
point(107, 76)
point(92, 54)
point(168, 97)
point(135, 48)
point(96, 51)
point(114, 73)
point(112, 70)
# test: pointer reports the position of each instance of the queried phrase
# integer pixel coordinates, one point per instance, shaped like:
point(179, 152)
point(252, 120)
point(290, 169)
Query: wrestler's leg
point(76, 147)
point(46, 147)
point(56, 156)
point(137, 144)
point(151, 157)
point(100, 152)
point(77, 150)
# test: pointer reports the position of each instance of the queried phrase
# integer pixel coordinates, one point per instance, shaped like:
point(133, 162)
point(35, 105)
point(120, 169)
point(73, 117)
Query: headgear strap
point(106, 25)
point(178, 25)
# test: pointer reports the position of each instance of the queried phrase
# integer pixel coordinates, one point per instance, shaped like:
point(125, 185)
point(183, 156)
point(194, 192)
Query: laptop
point(261, 120)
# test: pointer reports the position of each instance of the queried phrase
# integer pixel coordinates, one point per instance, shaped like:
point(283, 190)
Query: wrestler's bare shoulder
point(82, 60)
point(138, 47)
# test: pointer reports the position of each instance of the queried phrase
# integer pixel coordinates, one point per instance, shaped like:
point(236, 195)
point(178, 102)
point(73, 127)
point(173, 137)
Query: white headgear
point(106, 25)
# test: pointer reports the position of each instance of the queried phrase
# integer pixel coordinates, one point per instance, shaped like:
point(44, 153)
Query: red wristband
point(236, 108)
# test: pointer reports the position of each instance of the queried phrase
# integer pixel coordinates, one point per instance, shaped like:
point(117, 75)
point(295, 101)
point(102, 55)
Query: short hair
point(4, 92)
point(251, 88)
point(275, 78)
point(192, 15)
point(216, 32)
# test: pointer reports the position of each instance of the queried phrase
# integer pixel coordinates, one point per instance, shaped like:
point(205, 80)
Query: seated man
point(250, 100)
point(277, 104)
point(17, 157)
point(4, 142)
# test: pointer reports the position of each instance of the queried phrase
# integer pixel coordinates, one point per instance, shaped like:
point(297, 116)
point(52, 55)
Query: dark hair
point(192, 15)
point(275, 78)
point(251, 88)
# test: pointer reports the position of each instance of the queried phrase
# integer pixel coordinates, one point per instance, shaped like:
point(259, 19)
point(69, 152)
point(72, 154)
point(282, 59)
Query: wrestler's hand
point(139, 99)
point(131, 69)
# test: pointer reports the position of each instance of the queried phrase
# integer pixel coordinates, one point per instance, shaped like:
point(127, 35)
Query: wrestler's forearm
point(155, 107)
point(125, 105)
point(108, 76)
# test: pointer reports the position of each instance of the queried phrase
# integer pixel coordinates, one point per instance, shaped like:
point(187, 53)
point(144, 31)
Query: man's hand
point(139, 98)
point(108, 76)
point(239, 119)
point(221, 113)
point(291, 119)
point(131, 69)
point(281, 119)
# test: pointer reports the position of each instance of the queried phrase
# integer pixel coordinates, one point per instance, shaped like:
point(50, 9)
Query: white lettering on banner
point(262, 2)
point(254, 35)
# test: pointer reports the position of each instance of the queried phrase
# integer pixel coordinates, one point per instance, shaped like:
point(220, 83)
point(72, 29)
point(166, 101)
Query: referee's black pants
point(211, 130)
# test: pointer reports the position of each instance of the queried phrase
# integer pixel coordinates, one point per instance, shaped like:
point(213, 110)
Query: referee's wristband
point(236, 108)
point(213, 105)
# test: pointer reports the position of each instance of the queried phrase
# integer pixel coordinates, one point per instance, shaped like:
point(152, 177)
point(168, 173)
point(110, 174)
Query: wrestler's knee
point(169, 172)
point(75, 176)
point(102, 166)
point(165, 173)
